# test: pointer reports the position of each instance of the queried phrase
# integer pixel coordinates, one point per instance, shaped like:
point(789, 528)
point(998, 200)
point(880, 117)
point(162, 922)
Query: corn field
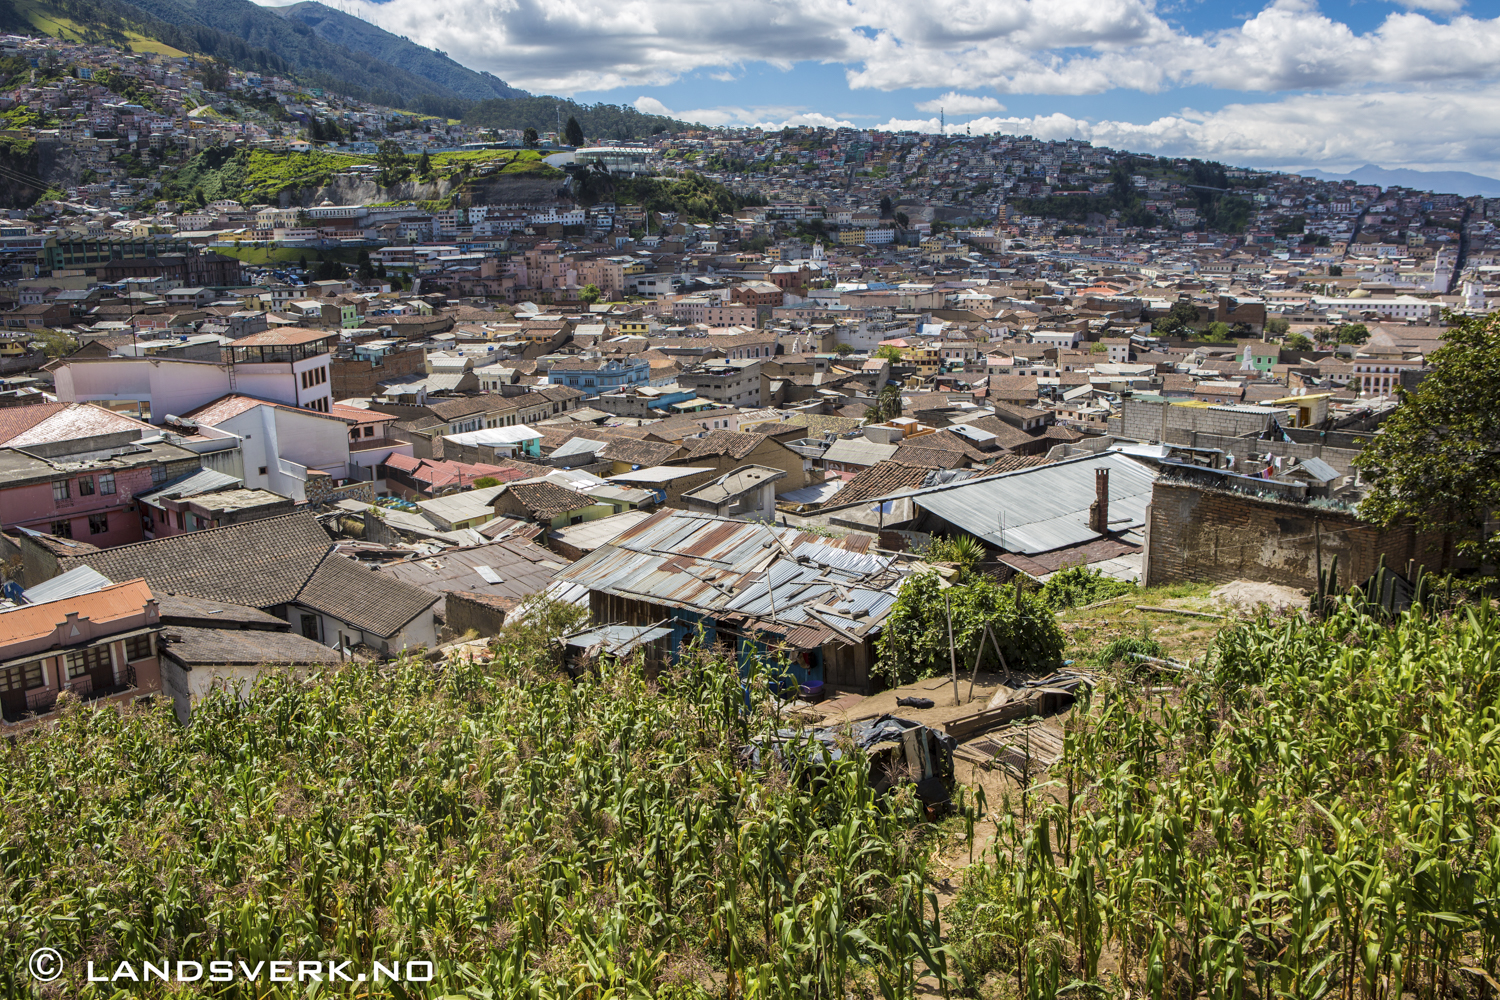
point(1313, 816)
point(531, 837)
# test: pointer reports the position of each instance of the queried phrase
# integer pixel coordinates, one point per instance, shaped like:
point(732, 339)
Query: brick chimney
point(1099, 509)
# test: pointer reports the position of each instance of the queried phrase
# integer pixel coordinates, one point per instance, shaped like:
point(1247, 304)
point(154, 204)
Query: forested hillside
point(601, 122)
point(361, 36)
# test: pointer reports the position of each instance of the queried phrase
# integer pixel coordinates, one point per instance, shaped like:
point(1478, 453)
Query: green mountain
point(360, 36)
point(250, 37)
point(325, 48)
point(601, 122)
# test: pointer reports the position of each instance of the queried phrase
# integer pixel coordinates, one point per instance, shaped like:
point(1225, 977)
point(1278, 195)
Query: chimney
point(1099, 509)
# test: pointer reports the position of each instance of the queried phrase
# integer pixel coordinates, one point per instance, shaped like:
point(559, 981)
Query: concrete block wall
point(1340, 458)
point(1140, 420)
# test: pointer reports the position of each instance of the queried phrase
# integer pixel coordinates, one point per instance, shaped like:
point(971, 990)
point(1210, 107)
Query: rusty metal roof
point(775, 577)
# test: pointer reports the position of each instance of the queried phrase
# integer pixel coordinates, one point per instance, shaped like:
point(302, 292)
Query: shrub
point(1075, 586)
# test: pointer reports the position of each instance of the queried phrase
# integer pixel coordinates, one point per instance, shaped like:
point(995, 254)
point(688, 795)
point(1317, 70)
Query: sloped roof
point(39, 423)
point(194, 647)
point(1043, 508)
point(259, 563)
point(31, 622)
point(547, 499)
point(735, 444)
point(881, 479)
point(370, 601)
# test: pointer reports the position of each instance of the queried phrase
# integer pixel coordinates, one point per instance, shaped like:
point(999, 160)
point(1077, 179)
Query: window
point(60, 490)
point(369, 432)
point(310, 628)
point(106, 483)
point(82, 661)
point(85, 486)
point(62, 529)
point(22, 677)
point(158, 474)
point(98, 524)
point(262, 470)
point(138, 647)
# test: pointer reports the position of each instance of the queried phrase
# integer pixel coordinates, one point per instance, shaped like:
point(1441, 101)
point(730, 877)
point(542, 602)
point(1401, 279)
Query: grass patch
point(290, 255)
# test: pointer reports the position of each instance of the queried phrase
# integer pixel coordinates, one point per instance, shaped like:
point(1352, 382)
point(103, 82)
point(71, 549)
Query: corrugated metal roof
point(73, 583)
point(1045, 508)
point(203, 481)
point(718, 565)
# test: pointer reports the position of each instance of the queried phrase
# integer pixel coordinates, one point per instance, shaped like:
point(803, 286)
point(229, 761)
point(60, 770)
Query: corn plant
point(531, 836)
point(1315, 819)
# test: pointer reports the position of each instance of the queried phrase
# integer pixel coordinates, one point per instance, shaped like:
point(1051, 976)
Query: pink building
point(86, 487)
point(101, 647)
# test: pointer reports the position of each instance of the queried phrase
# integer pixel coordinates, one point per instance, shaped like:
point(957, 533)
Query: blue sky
point(1291, 83)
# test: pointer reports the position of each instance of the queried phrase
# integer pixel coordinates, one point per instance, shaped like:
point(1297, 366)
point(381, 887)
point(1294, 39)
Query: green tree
point(1436, 461)
point(903, 220)
point(56, 343)
point(530, 137)
point(914, 643)
point(843, 350)
point(391, 159)
point(1298, 342)
point(886, 207)
point(887, 406)
point(590, 294)
point(1216, 333)
point(1351, 333)
point(889, 352)
point(485, 482)
point(573, 133)
point(424, 165)
point(1277, 326)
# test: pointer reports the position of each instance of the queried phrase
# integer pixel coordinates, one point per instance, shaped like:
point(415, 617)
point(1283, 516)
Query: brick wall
point(350, 377)
point(1204, 535)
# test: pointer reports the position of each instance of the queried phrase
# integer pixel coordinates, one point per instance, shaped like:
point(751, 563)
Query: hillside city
point(290, 380)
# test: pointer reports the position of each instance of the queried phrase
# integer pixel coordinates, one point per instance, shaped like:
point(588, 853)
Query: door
point(310, 628)
point(90, 669)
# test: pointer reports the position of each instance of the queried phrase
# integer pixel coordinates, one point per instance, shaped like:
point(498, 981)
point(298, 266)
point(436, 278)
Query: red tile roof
point(285, 336)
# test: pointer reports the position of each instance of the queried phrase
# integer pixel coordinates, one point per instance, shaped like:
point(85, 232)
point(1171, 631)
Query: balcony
point(136, 679)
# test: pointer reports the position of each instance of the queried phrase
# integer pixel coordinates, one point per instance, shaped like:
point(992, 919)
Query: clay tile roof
point(642, 453)
point(15, 419)
point(547, 500)
point(368, 600)
point(220, 646)
point(880, 479)
point(735, 444)
point(258, 563)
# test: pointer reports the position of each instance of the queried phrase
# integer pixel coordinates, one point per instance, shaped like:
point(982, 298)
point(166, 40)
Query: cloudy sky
point(1296, 83)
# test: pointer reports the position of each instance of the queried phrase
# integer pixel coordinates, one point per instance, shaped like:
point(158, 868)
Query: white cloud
point(1437, 6)
point(651, 106)
point(961, 104)
point(770, 116)
point(1007, 46)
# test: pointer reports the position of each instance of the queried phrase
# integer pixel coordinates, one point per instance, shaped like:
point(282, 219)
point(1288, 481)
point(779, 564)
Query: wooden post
point(952, 654)
point(977, 657)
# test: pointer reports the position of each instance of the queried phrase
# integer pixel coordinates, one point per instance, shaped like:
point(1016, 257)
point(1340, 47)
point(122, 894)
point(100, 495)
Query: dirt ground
point(1247, 597)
